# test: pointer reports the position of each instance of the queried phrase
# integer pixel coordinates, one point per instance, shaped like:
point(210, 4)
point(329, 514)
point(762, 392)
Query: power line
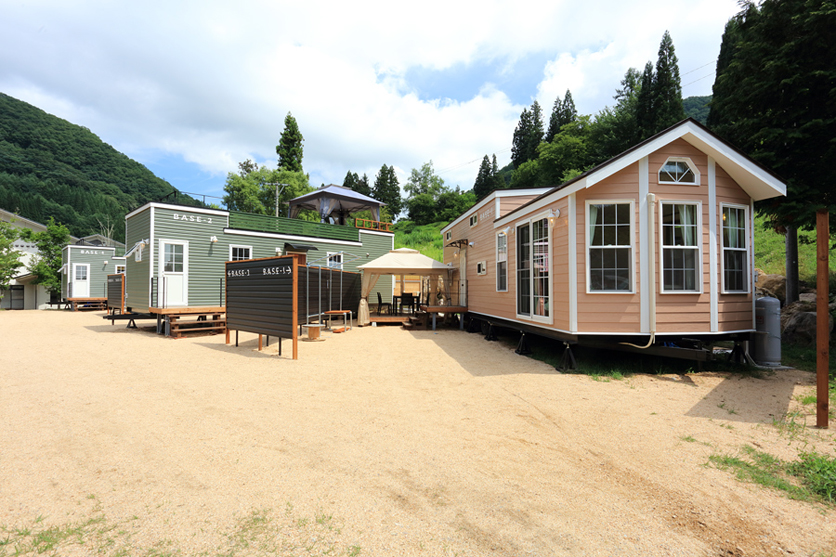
point(700, 79)
point(695, 69)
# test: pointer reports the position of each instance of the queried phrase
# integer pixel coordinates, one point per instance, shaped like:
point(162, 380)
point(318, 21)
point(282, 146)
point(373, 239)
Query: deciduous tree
point(9, 256)
point(47, 263)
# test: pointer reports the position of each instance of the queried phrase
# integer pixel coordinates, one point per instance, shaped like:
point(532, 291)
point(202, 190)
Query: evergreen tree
point(387, 190)
point(484, 181)
point(563, 112)
point(645, 113)
point(773, 98)
point(667, 89)
point(554, 120)
point(519, 148)
point(528, 135)
point(290, 146)
point(351, 180)
point(362, 186)
point(496, 177)
point(535, 137)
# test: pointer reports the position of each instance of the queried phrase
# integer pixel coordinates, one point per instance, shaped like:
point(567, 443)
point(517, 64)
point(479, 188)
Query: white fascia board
point(377, 233)
point(754, 180)
point(494, 195)
point(74, 246)
point(470, 211)
point(290, 237)
point(538, 205)
point(181, 208)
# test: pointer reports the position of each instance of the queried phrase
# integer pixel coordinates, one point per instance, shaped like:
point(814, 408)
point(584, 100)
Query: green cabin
point(84, 270)
point(176, 254)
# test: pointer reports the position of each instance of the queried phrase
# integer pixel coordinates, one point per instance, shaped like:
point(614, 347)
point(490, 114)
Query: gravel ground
point(380, 441)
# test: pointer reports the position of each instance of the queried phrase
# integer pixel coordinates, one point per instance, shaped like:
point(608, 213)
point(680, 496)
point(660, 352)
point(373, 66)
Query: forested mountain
point(52, 168)
point(697, 108)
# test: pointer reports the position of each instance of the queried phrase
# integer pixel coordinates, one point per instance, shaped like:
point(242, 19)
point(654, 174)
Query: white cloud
point(212, 81)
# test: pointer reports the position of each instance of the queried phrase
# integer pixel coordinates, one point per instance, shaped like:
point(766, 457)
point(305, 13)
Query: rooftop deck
point(298, 227)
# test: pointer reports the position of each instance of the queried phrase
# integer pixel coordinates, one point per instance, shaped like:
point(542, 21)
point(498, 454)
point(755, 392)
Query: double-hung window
point(533, 270)
point(680, 247)
point(501, 263)
point(239, 253)
point(735, 249)
point(610, 246)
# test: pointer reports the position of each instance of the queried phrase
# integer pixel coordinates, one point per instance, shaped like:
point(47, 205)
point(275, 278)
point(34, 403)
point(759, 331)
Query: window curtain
point(687, 221)
point(367, 283)
point(593, 220)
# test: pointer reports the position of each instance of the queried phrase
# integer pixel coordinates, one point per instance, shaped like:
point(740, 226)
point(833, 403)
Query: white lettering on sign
point(276, 271)
point(90, 252)
point(193, 218)
point(486, 214)
point(238, 273)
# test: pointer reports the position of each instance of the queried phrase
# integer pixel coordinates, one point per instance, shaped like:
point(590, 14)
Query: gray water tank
point(768, 337)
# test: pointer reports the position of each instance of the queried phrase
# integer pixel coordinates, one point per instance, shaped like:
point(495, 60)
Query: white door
point(174, 269)
point(81, 280)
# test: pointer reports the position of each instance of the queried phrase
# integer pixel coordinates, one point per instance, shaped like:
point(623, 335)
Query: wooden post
point(822, 317)
point(259, 342)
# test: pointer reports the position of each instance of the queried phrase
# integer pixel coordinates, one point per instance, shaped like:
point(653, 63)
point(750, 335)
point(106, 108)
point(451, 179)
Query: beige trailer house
point(656, 242)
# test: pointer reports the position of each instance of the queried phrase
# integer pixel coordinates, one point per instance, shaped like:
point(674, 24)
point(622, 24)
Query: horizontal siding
point(622, 312)
point(137, 279)
point(735, 311)
point(687, 311)
point(101, 264)
point(508, 204)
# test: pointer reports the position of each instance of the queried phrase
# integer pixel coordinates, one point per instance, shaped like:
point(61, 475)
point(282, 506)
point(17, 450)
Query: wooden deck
point(209, 319)
point(374, 318)
point(188, 310)
point(87, 304)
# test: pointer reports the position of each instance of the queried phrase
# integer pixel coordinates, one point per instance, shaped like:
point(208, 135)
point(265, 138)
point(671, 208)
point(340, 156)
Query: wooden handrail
point(367, 224)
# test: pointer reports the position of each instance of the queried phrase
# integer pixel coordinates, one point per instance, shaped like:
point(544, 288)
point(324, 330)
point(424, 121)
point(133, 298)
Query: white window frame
point(448, 235)
point(632, 246)
point(331, 257)
point(699, 270)
point(120, 269)
point(747, 278)
point(501, 257)
point(239, 246)
point(474, 219)
point(550, 266)
point(691, 166)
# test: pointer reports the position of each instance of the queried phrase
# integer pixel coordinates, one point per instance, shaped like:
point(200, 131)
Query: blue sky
point(190, 89)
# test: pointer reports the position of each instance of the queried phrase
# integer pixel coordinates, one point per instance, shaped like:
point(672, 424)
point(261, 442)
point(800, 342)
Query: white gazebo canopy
point(399, 262)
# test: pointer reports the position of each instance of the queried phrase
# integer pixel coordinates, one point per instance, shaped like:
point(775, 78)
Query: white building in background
point(22, 293)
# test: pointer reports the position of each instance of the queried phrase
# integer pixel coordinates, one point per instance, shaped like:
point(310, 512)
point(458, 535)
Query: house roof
point(405, 261)
point(756, 180)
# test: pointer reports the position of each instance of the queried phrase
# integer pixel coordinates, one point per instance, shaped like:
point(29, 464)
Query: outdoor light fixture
point(553, 215)
point(471, 244)
point(213, 239)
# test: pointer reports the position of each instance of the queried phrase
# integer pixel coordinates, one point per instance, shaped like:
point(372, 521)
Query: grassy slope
point(426, 238)
point(770, 253)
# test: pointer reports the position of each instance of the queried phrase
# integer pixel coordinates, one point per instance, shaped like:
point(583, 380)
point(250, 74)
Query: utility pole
point(278, 192)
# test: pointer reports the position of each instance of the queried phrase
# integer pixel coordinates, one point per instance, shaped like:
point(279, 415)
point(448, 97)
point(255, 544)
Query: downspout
point(651, 264)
